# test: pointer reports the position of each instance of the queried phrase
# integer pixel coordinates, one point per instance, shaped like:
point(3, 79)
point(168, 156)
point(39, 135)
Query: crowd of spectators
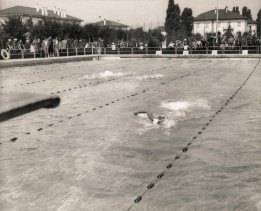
point(47, 47)
point(221, 42)
point(50, 47)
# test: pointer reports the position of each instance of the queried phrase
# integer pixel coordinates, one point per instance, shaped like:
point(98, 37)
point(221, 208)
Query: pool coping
point(184, 56)
point(42, 61)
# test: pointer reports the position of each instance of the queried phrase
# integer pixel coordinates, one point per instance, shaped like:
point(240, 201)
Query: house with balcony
point(37, 14)
point(112, 24)
point(207, 22)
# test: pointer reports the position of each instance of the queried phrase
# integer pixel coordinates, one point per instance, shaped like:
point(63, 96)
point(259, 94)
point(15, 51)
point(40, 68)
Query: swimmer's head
point(161, 117)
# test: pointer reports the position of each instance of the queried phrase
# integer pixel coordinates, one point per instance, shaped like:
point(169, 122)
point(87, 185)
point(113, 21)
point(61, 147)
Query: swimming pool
point(92, 153)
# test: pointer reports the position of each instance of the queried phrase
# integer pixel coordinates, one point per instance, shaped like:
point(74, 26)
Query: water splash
point(105, 74)
point(185, 109)
point(145, 77)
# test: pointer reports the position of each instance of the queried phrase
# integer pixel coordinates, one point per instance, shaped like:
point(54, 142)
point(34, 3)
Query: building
point(207, 22)
point(37, 14)
point(252, 26)
point(161, 29)
point(112, 24)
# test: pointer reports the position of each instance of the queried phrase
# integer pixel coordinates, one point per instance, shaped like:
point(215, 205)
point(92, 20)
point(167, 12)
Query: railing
point(24, 54)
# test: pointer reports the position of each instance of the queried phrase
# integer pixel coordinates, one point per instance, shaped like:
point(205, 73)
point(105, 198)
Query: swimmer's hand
point(155, 121)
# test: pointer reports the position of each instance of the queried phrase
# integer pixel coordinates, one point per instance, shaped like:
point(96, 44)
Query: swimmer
point(150, 115)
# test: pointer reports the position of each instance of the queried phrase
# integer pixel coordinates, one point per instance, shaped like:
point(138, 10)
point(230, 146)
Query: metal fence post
point(176, 50)
point(92, 49)
point(34, 55)
point(104, 50)
point(84, 51)
point(131, 50)
point(76, 51)
point(67, 51)
point(146, 50)
point(118, 50)
point(22, 54)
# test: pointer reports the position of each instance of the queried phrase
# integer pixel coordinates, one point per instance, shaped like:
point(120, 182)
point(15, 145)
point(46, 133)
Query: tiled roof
point(222, 15)
point(251, 22)
point(29, 11)
point(110, 24)
point(161, 28)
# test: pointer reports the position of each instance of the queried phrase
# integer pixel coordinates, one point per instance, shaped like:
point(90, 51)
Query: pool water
point(93, 153)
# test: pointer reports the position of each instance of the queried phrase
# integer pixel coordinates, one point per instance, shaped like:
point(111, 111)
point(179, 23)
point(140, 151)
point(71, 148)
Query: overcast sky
point(131, 12)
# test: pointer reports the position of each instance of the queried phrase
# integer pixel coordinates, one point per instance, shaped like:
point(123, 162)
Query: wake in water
point(186, 109)
point(105, 74)
point(175, 112)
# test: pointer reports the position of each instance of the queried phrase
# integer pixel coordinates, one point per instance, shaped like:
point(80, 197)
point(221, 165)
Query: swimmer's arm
point(150, 115)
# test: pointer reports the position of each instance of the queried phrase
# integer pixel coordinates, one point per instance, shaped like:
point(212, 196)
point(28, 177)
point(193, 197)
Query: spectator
point(113, 46)
point(27, 45)
point(34, 43)
point(20, 45)
point(186, 44)
point(14, 43)
point(171, 45)
point(45, 47)
point(9, 45)
point(56, 46)
point(38, 47)
point(32, 49)
point(199, 43)
point(141, 46)
point(50, 47)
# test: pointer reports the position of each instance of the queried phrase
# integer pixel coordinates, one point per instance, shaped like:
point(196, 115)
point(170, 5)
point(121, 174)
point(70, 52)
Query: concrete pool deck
point(92, 153)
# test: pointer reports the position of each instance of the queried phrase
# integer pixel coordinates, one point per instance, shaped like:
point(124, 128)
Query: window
point(228, 24)
point(238, 24)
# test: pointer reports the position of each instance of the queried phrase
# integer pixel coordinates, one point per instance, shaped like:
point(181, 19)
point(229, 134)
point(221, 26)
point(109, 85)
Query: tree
point(3, 36)
point(90, 32)
point(70, 30)
point(259, 23)
point(14, 27)
point(155, 37)
point(172, 21)
point(249, 15)
point(187, 21)
point(246, 12)
point(51, 28)
point(196, 36)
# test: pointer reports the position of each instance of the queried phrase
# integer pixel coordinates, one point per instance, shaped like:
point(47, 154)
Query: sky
point(148, 13)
